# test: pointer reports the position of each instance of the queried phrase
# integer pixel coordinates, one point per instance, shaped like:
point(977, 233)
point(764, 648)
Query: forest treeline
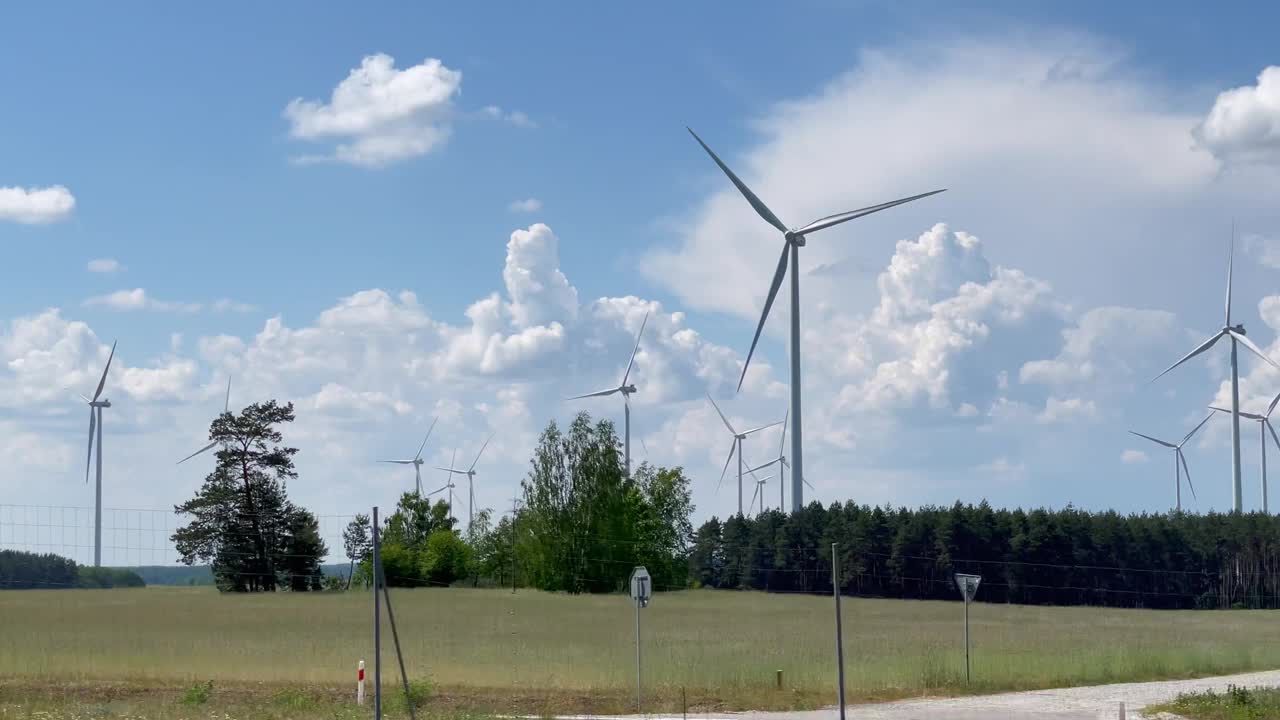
point(31, 571)
point(1058, 557)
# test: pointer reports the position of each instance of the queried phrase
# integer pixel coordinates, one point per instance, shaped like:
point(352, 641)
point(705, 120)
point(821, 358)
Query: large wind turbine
point(1178, 457)
point(1264, 424)
point(626, 390)
point(226, 408)
point(471, 480)
point(417, 460)
point(1236, 335)
point(738, 437)
point(793, 240)
point(95, 422)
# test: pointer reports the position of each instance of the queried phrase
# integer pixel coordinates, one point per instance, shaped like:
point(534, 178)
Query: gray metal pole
point(1177, 481)
point(513, 546)
point(377, 625)
point(738, 440)
point(797, 456)
point(835, 589)
point(626, 423)
point(395, 638)
point(1262, 428)
point(97, 501)
point(638, 704)
point(966, 639)
point(1236, 488)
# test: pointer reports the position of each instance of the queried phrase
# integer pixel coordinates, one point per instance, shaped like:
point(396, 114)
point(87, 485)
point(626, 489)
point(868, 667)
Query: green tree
point(357, 543)
point(446, 558)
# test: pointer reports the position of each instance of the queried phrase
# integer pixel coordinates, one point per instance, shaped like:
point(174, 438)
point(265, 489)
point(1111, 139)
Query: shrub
point(197, 694)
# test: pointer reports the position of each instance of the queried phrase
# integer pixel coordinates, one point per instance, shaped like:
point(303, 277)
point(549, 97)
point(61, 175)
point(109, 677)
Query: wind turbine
point(781, 462)
point(95, 422)
point(448, 483)
point(1178, 457)
point(626, 390)
point(226, 408)
point(1237, 335)
point(760, 483)
point(417, 460)
point(471, 478)
point(1264, 424)
point(738, 437)
point(793, 240)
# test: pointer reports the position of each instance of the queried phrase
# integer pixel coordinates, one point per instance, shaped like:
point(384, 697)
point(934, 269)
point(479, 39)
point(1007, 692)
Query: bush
point(197, 694)
point(419, 693)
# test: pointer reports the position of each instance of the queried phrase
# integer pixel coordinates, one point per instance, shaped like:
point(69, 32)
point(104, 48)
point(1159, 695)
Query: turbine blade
point(809, 484)
point(226, 406)
point(1186, 472)
point(600, 393)
point(397, 462)
point(452, 471)
point(1196, 429)
point(1273, 433)
point(761, 209)
point(93, 423)
point(424, 440)
point(82, 397)
point(733, 446)
point(644, 447)
point(722, 417)
point(636, 349)
point(1243, 340)
point(762, 427)
point(103, 381)
point(1219, 409)
point(1271, 408)
point(1154, 440)
point(778, 274)
point(206, 448)
point(482, 447)
point(830, 220)
point(1231, 259)
point(771, 463)
point(436, 492)
point(754, 495)
point(1203, 346)
point(782, 444)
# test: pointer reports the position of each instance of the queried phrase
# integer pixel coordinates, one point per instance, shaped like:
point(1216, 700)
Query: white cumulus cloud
point(36, 206)
point(1244, 123)
point(379, 114)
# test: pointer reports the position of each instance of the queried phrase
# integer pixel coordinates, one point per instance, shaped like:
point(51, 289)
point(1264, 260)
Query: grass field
point(492, 650)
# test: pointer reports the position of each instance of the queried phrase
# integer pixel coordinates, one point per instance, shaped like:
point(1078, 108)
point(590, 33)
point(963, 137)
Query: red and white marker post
point(360, 684)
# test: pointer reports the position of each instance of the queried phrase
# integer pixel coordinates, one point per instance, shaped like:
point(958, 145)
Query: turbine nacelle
point(100, 403)
point(794, 238)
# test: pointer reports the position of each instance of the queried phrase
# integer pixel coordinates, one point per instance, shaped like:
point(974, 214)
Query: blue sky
point(1080, 145)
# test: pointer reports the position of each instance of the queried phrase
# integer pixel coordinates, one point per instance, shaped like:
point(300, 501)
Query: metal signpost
point(968, 585)
point(641, 591)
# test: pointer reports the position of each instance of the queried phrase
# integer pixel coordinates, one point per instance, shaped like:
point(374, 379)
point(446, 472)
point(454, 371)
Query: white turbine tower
point(738, 437)
point(226, 408)
point(793, 240)
point(95, 423)
point(471, 480)
point(417, 460)
point(1178, 458)
point(1264, 425)
point(1236, 335)
point(626, 390)
point(448, 485)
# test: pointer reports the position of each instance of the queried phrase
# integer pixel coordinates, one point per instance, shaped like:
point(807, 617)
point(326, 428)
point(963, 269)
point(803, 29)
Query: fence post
point(835, 589)
point(377, 627)
point(360, 684)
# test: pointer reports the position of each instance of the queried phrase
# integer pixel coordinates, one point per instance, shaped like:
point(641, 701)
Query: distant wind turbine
point(448, 482)
point(738, 437)
point(626, 390)
point(96, 406)
point(1236, 335)
point(471, 480)
point(1264, 425)
point(226, 408)
point(759, 493)
point(1178, 458)
point(781, 462)
point(793, 240)
point(417, 460)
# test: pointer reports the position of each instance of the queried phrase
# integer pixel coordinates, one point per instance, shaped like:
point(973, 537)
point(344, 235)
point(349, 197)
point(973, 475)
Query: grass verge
point(1237, 703)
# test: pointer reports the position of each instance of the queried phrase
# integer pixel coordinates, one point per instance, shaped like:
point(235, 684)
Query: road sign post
point(641, 591)
point(968, 585)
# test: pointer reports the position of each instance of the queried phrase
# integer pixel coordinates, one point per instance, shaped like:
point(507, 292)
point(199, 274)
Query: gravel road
point(1080, 703)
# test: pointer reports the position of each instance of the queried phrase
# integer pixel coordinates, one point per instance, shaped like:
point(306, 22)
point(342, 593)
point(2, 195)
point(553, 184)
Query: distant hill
point(202, 574)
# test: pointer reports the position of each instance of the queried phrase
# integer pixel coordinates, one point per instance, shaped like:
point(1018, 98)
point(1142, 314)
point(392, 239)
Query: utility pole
point(514, 515)
point(835, 588)
point(377, 625)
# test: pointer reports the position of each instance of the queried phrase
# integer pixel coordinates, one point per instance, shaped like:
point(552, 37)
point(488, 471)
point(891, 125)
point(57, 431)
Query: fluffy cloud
point(105, 266)
point(138, 299)
point(1244, 123)
point(527, 205)
point(1112, 345)
point(380, 114)
point(1133, 457)
point(36, 206)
